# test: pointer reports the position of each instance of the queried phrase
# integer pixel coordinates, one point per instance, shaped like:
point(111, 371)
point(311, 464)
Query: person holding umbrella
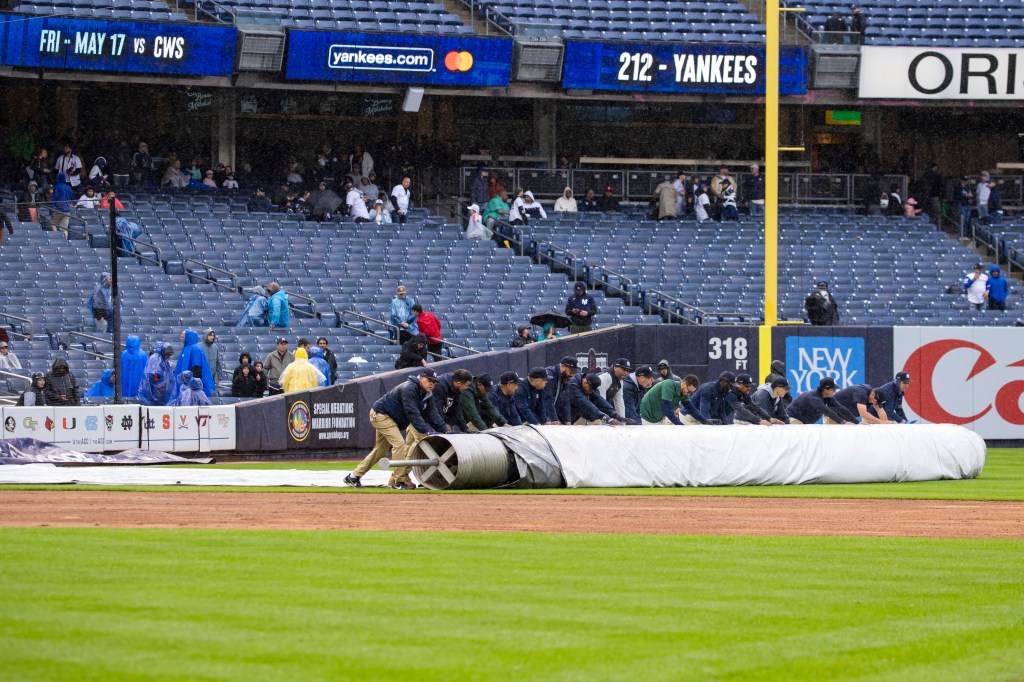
point(549, 322)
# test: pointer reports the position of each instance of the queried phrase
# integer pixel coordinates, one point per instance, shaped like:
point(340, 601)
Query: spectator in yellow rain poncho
point(301, 375)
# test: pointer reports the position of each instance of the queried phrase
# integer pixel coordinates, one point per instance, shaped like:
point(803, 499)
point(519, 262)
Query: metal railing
point(572, 264)
point(215, 11)
point(8, 377)
point(95, 340)
point(26, 324)
point(625, 289)
point(312, 312)
point(138, 255)
point(192, 274)
point(672, 309)
point(637, 185)
point(364, 329)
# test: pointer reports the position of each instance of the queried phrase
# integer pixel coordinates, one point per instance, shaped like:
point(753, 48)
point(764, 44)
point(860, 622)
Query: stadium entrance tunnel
point(692, 456)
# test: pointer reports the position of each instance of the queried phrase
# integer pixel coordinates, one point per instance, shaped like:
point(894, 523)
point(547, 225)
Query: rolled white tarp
point(666, 456)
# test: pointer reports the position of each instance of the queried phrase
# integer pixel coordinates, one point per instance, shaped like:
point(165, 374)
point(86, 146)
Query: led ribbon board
point(124, 46)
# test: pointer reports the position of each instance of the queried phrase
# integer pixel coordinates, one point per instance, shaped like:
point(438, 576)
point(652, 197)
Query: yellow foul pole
point(771, 186)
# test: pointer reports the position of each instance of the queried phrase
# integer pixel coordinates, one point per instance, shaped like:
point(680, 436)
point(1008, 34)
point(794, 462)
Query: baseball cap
point(822, 283)
point(979, 266)
point(879, 396)
point(623, 363)
point(428, 374)
point(282, 339)
point(644, 371)
point(579, 286)
point(509, 378)
point(744, 379)
point(484, 379)
point(727, 376)
point(569, 361)
point(594, 380)
point(780, 383)
point(538, 373)
point(608, 189)
point(902, 376)
point(827, 382)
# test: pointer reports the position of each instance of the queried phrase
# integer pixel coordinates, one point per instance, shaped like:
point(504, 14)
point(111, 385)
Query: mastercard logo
point(458, 61)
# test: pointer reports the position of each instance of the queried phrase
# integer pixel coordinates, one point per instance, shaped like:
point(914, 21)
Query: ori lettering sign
point(942, 73)
point(125, 46)
point(668, 67)
point(966, 376)
point(809, 359)
point(392, 58)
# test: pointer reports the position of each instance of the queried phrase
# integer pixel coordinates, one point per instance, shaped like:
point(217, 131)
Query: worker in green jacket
point(665, 398)
point(477, 408)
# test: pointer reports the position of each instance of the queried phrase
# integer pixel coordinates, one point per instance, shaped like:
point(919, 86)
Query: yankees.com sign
point(971, 377)
point(941, 73)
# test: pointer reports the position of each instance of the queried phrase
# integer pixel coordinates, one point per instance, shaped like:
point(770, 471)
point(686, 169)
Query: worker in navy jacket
point(581, 309)
point(447, 398)
point(634, 387)
point(529, 398)
point(810, 406)
point(586, 402)
point(503, 397)
point(409, 406)
point(892, 394)
point(712, 398)
point(745, 410)
point(556, 399)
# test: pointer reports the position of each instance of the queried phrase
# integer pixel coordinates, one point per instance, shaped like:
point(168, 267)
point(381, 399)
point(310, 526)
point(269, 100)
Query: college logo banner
point(941, 73)
point(966, 376)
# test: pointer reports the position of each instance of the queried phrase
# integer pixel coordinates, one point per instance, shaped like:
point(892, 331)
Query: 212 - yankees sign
point(941, 73)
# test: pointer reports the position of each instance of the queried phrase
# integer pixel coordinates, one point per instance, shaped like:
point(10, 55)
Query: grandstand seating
point(130, 10)
point(884, 271)
point(402, 16)
point(479, 292)
point(941, 23)
point(714, 21)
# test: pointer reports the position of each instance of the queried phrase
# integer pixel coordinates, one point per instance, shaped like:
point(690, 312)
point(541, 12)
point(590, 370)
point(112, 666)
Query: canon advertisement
point(973, 377)
point(941, 73)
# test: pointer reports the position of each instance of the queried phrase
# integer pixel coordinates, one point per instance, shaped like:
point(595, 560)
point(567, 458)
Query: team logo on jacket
point(298, 421)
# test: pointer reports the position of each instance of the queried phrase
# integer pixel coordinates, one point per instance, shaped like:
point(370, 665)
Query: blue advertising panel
point(386, 58)
point(125, 46)
point(670, 67)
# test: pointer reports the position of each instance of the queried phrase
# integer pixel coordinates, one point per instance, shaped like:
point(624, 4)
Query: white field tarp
point(666, 456)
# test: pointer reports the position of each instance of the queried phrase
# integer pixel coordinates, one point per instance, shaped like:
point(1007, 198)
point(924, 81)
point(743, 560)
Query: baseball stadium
point(490, 340)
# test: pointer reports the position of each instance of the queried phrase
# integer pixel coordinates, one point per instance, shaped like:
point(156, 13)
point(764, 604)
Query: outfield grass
point(98, 604)
point(1002, 479)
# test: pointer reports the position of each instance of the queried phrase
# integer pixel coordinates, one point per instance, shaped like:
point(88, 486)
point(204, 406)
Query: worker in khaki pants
point(410, 406)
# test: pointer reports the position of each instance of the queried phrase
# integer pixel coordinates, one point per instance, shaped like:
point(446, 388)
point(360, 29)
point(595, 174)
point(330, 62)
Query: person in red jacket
point(430, 327)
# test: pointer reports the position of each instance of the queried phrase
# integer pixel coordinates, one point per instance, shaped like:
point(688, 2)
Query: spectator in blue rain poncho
point(193, 359)
point(256, 310)
point(128, 232)
point(316, 358)
point(190, 391)
point(104, 388)
point(133, 367)
point(157, 386)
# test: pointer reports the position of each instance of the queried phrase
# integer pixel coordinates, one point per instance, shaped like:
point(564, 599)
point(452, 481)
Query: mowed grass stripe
point(275, 605)
point(1002, 479)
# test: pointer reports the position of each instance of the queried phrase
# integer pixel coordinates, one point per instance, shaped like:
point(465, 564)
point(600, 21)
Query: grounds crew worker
point(447, 398)
point(556, 399)
point(892, 395)
point(530, 397)
point(586, 402)
point(480, 413)
point(665, 397)
point(863, 401)
point(409, 406)
point(810, 406)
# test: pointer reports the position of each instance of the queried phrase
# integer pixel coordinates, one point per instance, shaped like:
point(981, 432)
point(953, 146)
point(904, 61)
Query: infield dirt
point(519, 513)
